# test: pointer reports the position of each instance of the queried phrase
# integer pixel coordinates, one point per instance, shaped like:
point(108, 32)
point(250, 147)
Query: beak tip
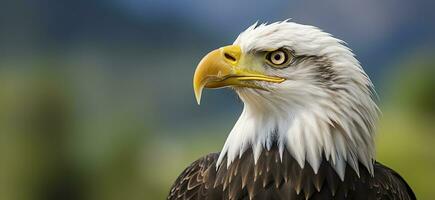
point(198, 99)
point(198, 93)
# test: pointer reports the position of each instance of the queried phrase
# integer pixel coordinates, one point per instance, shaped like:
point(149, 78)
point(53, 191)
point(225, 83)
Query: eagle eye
point(279, 58)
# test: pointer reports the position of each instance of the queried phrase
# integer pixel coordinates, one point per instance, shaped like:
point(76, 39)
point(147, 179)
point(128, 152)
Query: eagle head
point(302, 90)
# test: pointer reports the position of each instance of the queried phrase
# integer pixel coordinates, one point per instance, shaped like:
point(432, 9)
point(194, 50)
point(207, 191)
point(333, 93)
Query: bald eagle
point(308, 124)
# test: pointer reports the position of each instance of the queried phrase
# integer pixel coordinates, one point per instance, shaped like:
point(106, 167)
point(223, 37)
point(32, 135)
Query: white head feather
point(324, 108)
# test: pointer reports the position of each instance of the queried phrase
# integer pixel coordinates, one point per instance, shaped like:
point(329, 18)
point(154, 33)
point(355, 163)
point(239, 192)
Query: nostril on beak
point(231, 54)
point(230, 57)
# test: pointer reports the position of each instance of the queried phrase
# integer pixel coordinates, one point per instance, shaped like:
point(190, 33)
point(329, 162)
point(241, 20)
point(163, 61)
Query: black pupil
point(277, 57)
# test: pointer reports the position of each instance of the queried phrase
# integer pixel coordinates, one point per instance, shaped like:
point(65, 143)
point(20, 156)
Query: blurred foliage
point(47, 152)
point(407, 131)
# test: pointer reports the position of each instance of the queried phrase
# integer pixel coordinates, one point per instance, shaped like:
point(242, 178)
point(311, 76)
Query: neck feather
point(343, 137)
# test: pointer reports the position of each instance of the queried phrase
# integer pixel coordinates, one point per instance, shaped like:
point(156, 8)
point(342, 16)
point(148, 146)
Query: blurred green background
point(96, 97)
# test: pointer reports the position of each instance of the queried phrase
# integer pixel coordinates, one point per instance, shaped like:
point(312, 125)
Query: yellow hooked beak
point(220, 68)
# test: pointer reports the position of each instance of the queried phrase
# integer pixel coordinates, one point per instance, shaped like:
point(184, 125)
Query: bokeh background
point(96, 97)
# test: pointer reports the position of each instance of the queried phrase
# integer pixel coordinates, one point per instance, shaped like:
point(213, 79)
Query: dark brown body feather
point(272, 178)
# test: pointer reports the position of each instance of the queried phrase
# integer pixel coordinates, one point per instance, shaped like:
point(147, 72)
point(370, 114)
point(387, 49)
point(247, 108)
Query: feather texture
point(272, 178)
